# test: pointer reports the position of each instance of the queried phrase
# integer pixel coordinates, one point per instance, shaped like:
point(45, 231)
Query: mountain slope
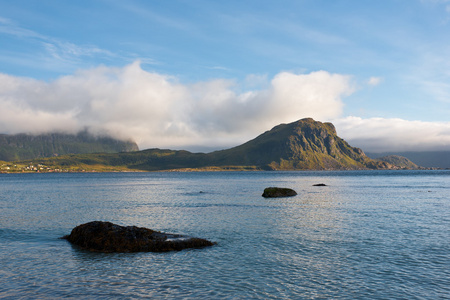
point(302, 145)
point(24, 146)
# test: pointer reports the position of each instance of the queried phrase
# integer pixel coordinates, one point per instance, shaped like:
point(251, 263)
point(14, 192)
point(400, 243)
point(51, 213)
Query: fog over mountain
point(384, 135)
point(157, 110)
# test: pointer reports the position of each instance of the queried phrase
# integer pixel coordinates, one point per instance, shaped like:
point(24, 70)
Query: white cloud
point(384, 135)
point(158, 111)
point(373, 81)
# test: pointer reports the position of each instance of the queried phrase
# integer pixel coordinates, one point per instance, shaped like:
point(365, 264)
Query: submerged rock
point(275, 192)
point(108, 237)
point(319, 184)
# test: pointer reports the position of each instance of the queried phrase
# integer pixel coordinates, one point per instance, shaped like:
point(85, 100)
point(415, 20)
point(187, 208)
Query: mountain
point(427, 159)
point(302, 145)
point(25, 146)
point(399, 161)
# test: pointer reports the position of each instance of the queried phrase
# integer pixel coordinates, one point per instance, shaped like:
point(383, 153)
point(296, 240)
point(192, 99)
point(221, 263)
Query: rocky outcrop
point(108, 237)
point(319, 184)
point(276, 192)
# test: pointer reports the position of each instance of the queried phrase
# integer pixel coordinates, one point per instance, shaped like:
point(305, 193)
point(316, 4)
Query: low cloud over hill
point(157, 110)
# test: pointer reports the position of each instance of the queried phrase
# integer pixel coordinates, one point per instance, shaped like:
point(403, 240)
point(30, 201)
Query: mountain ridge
point(26, 146)
point(302, 145)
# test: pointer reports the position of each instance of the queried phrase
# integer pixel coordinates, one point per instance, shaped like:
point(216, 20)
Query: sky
point(208, 75)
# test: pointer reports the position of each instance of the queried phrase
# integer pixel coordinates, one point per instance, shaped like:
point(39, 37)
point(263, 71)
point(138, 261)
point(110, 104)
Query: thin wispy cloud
point(9, 27)
point(219, 68)
point(158, 18)
point(58, 49)
point(56, 52)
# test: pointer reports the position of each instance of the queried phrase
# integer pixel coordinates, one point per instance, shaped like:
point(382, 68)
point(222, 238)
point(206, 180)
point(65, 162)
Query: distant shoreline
point(213, 169)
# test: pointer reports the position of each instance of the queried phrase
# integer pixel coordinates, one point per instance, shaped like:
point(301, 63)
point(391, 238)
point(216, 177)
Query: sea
point(365, 235)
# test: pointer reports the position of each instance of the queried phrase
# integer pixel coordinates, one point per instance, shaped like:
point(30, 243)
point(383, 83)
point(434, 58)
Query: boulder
point(275, 192)
point(108, 237)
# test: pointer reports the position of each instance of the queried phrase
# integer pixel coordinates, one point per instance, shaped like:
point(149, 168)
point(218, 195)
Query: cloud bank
point(156, 110)
point(383, 135)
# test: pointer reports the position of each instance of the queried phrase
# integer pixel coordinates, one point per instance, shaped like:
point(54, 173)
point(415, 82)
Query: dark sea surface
point(366, 235)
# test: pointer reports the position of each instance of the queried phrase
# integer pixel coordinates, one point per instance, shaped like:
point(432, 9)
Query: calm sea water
point(366, 235)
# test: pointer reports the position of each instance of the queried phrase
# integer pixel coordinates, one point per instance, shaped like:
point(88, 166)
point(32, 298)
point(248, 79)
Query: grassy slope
point(148, 160)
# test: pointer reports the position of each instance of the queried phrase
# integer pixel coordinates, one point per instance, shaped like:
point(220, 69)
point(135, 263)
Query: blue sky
point(187, 74)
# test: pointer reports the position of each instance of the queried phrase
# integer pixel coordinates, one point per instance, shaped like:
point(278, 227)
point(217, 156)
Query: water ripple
point(367, 236)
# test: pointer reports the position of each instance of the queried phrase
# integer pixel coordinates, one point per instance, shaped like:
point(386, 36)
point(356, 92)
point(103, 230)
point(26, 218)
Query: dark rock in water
point(275, 192)
point(320, 184)
point(108, 237)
